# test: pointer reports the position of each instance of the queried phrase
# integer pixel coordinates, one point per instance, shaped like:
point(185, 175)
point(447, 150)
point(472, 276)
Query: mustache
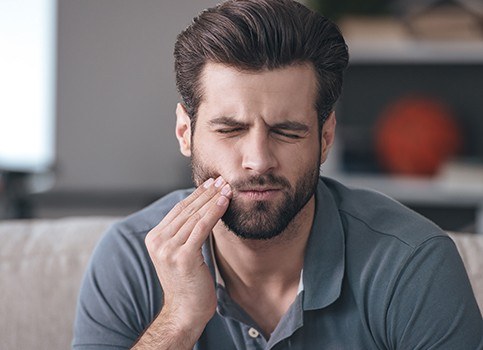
point(268, 180)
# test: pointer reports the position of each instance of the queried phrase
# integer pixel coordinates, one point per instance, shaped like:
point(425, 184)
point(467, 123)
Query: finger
point(186, 208)
point(208, 215)
point(185, 203)
point(165, 228)
point(195, 206)
point(205, 225)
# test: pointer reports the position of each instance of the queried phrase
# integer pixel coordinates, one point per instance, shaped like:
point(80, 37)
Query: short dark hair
point(254, 35)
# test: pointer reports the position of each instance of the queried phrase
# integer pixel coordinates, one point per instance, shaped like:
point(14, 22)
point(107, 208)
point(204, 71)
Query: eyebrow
point(292, 126)
point(287, 125)
point(226, 121)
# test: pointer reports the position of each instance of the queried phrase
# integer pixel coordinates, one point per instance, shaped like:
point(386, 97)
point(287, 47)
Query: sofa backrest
point(41, 268)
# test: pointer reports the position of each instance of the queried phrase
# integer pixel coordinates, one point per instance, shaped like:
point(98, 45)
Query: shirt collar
point(216, 272)
point(217, 275)
point(325, 253)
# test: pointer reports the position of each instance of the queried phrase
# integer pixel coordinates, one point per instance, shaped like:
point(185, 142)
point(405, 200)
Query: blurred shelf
point(389, 59)
point(419, 190)
point(423, 191)
point(409, 51)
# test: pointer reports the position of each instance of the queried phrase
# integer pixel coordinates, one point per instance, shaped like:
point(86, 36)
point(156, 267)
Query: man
point(265, 254)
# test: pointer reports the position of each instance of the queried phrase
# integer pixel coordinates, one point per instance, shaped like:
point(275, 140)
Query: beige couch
point(41, 266)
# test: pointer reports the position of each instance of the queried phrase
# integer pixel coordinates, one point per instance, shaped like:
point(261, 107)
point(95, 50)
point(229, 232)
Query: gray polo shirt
point(376, 276)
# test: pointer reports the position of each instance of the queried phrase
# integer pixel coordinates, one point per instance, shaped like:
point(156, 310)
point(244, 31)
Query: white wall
point(117, 94)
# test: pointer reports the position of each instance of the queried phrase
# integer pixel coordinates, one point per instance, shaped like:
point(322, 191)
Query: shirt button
point(252, 332)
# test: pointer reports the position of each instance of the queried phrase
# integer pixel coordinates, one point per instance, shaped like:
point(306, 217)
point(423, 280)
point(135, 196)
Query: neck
point(263, 276)
point(257, 264)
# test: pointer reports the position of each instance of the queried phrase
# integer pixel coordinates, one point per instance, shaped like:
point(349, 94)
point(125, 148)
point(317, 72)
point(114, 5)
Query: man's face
point(259, 131)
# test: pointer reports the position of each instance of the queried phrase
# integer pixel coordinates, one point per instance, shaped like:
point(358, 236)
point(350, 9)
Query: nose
point(258, 156)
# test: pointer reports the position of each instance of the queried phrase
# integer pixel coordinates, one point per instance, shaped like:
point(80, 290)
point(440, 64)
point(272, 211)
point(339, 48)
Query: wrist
point(182, 325)
point(169, 331)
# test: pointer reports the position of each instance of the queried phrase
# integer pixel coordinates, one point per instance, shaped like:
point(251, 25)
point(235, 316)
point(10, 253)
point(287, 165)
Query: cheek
point(301, 157)
point(217, 154)
point(217, 160)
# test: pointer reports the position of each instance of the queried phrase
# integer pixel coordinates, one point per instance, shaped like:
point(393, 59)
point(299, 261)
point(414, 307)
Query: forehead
point(287, 91)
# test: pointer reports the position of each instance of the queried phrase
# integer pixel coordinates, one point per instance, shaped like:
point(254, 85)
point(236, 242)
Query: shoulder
point(383, 236)
point(150, 216)
point(122, 246)
point(130, 231)
point(120, 294)
point(371, 213)
point(400, 267)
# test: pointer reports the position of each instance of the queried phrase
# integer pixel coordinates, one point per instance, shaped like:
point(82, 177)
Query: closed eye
point(286, 134)
point(290, 130)
point(229, 130)
point(227, 126)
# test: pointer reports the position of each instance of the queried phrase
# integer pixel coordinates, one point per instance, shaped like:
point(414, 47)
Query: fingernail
point(222, 201)
point(219, 182)
point(208, 183)
point(225, 190)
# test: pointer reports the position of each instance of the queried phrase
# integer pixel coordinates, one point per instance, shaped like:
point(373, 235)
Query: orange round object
point(416, 135)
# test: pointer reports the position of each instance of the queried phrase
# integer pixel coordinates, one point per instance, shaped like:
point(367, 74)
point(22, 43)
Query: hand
point(174, 246)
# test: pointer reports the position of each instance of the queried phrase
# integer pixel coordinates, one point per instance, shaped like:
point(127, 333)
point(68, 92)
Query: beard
point(261, 220)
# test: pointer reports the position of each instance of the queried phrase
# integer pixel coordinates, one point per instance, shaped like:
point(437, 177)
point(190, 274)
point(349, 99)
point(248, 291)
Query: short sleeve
point(120, 293)
point(433, 305)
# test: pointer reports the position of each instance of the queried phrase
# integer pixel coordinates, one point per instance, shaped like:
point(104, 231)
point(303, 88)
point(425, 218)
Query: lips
point(259, 193)
point(258, 189)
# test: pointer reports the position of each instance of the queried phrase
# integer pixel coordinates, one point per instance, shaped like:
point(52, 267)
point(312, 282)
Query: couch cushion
point(41, 267)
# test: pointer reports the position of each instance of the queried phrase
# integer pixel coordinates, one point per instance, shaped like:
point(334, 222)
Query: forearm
point(165, 334)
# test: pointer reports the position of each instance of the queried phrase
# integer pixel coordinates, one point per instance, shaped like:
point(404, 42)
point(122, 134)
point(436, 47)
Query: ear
point(328, 136)
point(183, 130)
